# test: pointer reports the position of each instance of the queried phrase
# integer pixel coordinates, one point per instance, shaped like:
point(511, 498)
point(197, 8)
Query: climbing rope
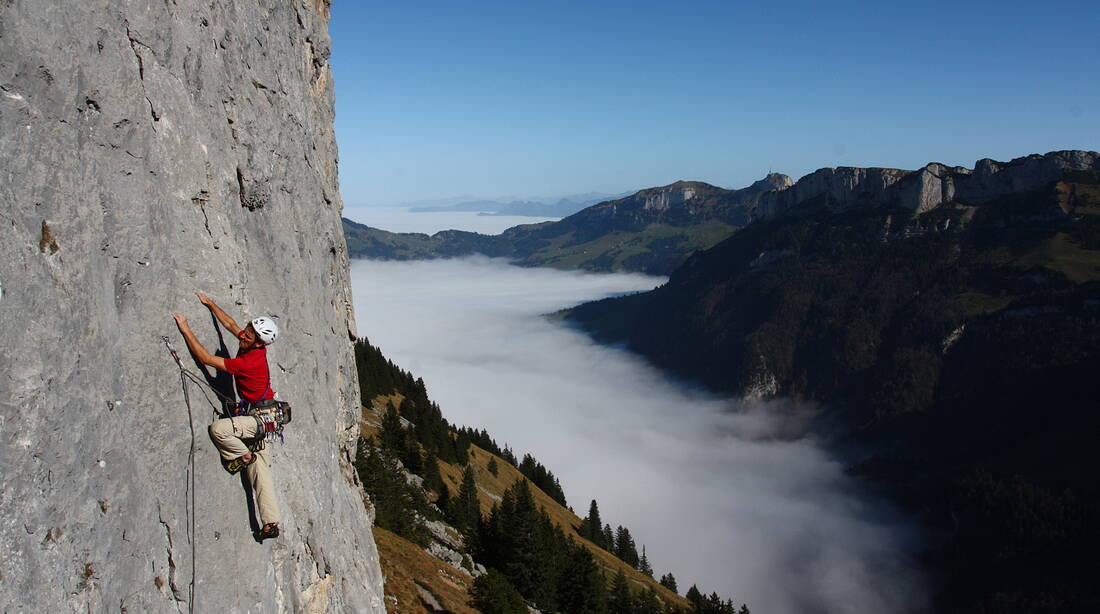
point(185, 375)
point(198, 379)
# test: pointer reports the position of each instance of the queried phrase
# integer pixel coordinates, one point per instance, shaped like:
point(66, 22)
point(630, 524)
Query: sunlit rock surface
point(924, 189)
point(152, 150)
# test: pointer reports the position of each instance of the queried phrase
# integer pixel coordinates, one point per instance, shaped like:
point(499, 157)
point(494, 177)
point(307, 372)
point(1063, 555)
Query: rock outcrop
point(152, 150)
point(690, 199)
point(924, 189)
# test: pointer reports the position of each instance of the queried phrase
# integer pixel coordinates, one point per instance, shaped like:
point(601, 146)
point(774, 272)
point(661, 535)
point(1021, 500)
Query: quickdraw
point(271, 418)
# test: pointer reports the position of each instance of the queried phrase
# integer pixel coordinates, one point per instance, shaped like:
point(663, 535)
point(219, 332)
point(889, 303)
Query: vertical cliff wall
point(152, 149)
point(925, 189)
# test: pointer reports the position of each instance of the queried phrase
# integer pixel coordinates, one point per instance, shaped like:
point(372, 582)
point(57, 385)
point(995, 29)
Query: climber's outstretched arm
point(229, 323)
point(196, 348)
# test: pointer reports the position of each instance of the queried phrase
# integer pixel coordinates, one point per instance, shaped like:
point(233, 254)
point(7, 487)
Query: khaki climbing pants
point(227, 434)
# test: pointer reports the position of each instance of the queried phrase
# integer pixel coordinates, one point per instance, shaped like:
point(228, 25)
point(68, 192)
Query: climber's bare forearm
point(197, 350)
point(223, 318)
point(229, 323)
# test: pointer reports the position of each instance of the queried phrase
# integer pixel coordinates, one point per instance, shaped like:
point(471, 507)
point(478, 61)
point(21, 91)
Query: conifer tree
point(392, 436)
point(433, 481)
point(620, 600)
point(411, 457)
point(465, 511)
point(608, 541)
point(408, 410)
point(624, 547)
point(493, 468)
point(540, 476)
point(648, 603)
point(643, 564)
point(461, 445)
point(487, 547)
point(744, 609)
point(592, 526)
point(443, 502)
point(492, 593)
point(669, 581)
point(581, 588)
point(396, 504)
point(527, 544)
point(695, 597)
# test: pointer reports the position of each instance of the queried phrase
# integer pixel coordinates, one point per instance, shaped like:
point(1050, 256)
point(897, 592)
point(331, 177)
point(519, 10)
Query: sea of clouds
point(721, 493)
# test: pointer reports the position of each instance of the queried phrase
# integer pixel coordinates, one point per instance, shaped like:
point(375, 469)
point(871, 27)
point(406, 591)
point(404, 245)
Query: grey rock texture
point(152, 149)
point(924, 189)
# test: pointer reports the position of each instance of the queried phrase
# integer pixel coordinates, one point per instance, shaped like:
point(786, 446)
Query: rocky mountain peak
point(772, 181)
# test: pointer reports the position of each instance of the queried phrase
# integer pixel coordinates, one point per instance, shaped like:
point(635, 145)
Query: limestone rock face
point(152, 150)
point(773, 181)
point(661, 199)
point(840, 187)
point(925, 189)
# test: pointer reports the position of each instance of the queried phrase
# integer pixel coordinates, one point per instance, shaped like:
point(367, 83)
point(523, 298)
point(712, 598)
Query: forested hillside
point(954, 351)
point(464, 526)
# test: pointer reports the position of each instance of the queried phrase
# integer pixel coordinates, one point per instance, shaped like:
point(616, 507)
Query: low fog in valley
point(720, 494)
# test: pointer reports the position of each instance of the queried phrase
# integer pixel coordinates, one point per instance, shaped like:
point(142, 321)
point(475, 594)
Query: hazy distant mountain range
point(653, 231)
point(539, 207)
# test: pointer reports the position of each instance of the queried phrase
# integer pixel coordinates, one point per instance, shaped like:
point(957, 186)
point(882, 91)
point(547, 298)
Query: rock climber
point(253, 382)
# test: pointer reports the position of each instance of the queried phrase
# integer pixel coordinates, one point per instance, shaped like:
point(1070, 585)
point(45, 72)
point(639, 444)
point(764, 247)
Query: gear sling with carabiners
point(271, 418)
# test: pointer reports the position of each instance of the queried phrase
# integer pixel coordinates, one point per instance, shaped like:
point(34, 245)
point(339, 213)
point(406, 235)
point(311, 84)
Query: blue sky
point(533, 98)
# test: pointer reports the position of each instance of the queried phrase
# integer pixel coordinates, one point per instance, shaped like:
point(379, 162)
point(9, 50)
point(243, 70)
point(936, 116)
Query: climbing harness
point(271, 418)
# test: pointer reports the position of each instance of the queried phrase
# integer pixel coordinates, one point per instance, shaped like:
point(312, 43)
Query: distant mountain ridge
point(654, 230)
point(554, 207)
point(650, 231)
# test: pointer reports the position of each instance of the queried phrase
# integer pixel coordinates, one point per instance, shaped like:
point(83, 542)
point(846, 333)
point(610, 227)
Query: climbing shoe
point(236, 464)
point(269, 530)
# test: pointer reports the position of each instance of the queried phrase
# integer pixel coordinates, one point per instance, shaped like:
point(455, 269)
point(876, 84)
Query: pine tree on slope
point(643, 564)
point(620, 601)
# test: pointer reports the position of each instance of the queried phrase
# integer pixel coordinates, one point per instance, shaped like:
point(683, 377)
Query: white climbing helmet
point(265, 329)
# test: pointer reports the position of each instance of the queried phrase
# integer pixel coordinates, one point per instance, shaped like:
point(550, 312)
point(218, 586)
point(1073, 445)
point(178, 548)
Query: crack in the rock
point(177, 595)
point(201, 201)
point(206, 220)
point(240, 184)
point(134, 42)
point(153, 112)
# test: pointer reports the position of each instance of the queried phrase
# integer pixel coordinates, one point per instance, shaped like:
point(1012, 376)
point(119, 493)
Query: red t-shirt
point(251, 374)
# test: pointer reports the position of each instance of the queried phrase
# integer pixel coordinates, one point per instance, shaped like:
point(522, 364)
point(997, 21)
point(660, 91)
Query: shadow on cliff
point(220, 381)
